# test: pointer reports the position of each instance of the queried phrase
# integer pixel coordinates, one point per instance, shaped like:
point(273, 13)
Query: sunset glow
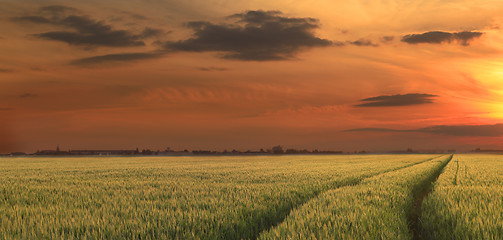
point(194, 74)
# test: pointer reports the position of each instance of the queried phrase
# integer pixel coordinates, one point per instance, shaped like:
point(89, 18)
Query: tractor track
point(344, 183)
point(420, 192)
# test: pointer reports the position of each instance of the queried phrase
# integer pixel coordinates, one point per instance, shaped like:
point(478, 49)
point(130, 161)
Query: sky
point(219, 74)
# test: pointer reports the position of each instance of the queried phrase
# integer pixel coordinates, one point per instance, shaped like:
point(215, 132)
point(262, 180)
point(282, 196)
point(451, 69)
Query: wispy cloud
point(495, 130)
point(397, 100)
point(6, 70)
point(118, 57)
point(85, 31)
point(387, 39)
point(28, 95)
point(437, 37)
point(211, 69)
point(363, 43)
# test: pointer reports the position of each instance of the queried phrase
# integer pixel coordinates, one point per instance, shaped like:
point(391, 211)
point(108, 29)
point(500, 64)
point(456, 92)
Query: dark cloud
point(85, 31)
point(151, 32)
point(6, 109)
point(57, 9)
point(254, 35)
point(119, 57)
point(91, 33)
point(6, 70)
point(437, 37)
point(37, 69)
point(377, 130)
point(211, 69)
point(363, 42)
point(387, 39)
point(397, 100)
point(495, 130)
point(28, 95)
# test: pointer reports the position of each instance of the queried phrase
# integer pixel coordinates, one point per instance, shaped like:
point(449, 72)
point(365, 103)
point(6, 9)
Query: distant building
point(51, 152)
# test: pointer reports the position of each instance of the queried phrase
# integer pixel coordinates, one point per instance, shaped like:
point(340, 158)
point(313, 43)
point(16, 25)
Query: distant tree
point(277, 150)
point(291, 151)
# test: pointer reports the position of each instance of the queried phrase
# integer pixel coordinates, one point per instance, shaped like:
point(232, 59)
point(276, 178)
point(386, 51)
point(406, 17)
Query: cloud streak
point(438, 37)
point(84, 30)
point(397, 100)
point(28, 95)
point(495, 130)
point(363, 43)
point(6, 70)
point(57, 9)
point(117, 58)
point(211, 69)
point(253, 36)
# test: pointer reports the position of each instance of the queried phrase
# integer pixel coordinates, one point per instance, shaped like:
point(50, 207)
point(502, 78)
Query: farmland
point(233, 197)
point(467, 201)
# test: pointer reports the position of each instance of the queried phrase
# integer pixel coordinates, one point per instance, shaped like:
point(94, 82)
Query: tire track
point(455, 180)
point(420, 192)
point(344, 183)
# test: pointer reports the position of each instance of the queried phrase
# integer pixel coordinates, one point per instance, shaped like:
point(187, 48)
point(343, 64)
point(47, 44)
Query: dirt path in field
point(422, 192)
point(348, 182)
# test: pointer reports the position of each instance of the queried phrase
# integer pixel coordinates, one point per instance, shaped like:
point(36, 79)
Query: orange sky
point(251, 74)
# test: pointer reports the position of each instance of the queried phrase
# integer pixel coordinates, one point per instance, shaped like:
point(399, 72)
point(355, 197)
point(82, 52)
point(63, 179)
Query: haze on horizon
point(193, 74)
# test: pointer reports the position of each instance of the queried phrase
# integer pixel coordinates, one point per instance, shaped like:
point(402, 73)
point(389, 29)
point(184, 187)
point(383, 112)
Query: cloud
point(210, 69)
point(397, 100)
point(363, 42)
point(85, 31)
point(387, 39)
point(6, 109)
point(495, 130)
point(37, 69)
point(437, 37)
point(91, 33)
point(135, 15)
point(6, 70)
point(151, 32)
point(57, 9)
point(377, 130)
point(28, 95)
point(254, 35)
point(118, 57)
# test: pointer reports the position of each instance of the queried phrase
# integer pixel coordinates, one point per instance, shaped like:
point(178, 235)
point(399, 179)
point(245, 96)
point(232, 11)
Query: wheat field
point(467, 200)
point(238, 197)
